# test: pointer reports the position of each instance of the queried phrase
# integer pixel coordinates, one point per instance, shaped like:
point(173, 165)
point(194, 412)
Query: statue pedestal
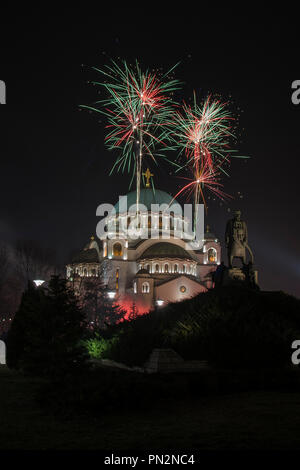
point(239, 275)
point(236, 274)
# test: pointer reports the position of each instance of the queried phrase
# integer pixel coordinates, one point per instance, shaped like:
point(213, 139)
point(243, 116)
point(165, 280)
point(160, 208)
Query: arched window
point(145, 287)
point(166, 268)
point(134, 288)
point(176, 268)
point(85, 272)
point(184, 268)
point(93, 272)
point(157, 268)
point(117, 278)
point(147, 267)
point(172, 217)
point(212, 255)
point(117, 249)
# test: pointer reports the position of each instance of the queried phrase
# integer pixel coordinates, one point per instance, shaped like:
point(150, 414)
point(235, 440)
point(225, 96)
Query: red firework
point(204, 176)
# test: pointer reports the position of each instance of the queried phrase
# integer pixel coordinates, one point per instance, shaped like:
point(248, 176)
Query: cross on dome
point(148, 175)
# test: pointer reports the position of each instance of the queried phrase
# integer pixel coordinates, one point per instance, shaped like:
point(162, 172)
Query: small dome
point(209, 235)
point(92, 243)
point(149, 196)
point(165, 250)
point(142, 272)
point(86, 256)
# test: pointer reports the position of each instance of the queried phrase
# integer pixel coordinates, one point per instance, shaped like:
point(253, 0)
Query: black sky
point(54, 166)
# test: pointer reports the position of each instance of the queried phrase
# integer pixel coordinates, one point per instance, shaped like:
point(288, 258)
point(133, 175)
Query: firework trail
point(203, 177)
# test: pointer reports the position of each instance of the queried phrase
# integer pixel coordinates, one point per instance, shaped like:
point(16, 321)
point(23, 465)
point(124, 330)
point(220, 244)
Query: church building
point(148, 271)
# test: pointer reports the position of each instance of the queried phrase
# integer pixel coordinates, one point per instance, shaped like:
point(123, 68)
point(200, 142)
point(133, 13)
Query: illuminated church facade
point(143, 270)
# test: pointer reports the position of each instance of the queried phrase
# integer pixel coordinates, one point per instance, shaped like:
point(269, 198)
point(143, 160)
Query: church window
point(117, 279)
point(157, 268)
point(212, 255)
point(166, 268)
point(172, 218)
point(93, 272)
point(145, 287)
point(184, 268)
point(175, 268)
point(147, 267)
point(117, 249)
point(182, 289)
point(85, 272)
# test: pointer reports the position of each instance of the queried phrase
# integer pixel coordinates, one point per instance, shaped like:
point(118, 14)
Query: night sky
point(54, 165)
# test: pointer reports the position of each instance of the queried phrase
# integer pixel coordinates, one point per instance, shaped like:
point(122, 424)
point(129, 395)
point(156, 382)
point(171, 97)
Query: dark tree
point(100, 310)
point(26, 317)
point(134, 313)
point(10, 289)
point(44, 338)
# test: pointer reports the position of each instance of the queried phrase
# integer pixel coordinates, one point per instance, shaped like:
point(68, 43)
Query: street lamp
point(38, 282)
point(111, 294)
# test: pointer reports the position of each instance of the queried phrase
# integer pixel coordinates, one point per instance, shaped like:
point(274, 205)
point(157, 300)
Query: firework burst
point(204, 177)
point(203, 133)
point(137, 106)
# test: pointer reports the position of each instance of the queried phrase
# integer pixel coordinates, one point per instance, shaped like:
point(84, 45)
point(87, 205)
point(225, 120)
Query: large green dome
point(165, 250)
point(149, 196)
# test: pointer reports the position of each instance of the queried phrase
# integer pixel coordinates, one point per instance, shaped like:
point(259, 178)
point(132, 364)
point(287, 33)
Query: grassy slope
point(265, 420)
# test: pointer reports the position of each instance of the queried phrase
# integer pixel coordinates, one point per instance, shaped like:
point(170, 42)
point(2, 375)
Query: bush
point(230, 327)
point(134, 340)
point(98, 347)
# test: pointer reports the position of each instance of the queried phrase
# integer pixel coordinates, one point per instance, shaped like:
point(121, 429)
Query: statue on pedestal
point(236, 239)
